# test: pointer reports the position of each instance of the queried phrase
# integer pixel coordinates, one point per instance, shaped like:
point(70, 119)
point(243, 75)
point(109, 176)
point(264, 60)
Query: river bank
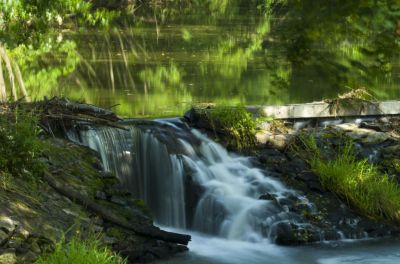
point(71, 196)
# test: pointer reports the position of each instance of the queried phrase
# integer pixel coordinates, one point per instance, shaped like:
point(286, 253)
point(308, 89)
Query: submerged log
point(148, 231)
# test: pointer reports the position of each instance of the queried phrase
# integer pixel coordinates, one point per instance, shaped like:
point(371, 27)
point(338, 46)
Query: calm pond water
point(162, 65)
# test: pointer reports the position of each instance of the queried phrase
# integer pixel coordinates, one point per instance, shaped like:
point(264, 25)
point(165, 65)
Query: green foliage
point(79, 251)
point(162, 77)
point(348, 43)
point(25, 21)
point(359, 182)
point(42, 67)
point(33, 34)
point(186, 35)
point(20, 147)
point(236, 124)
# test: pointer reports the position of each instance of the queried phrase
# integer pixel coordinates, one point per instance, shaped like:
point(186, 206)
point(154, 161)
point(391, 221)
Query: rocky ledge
point(331, 218)
point(34, 219)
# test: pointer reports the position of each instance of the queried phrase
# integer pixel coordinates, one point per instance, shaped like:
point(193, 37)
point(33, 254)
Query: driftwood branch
point(78, 108)
point(20, 81)
point(148, 231)
point(7, 62)
point(3, 93)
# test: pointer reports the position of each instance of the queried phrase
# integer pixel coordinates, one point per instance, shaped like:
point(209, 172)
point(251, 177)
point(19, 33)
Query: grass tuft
point(78, 251)
point(359, 182)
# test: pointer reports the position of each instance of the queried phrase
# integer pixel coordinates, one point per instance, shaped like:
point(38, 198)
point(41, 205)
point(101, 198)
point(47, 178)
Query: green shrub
point(359, 182)
point(236, 123)
point(79, 251)
point(20, 147)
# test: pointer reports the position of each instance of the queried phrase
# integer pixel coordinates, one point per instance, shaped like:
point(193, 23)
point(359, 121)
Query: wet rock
point(98, 165)
point(109, 240)
point(70, 212)
point(286, 201)
point(147, 251)
point(280, 142)
point(3, 237)
point(116, 190)
point(191, 116)
point(346, 127)
point(391, 150)
point(35, 248)
point(315, 186)
point(46, 244)
point(8, 257)
point(287, 233)
point(372, 126)
point(15, 242)
point(331, 235)
point(294, 167)
point(375, 138)
point(101, 195)
point(262, 137)
point(307, 176)
point(97, 220)
point(193, 193)
point(284, 234)
point(28, 257)
point(97, 228)
point(22, 232)
point(107, 175)
point(7, 224)
point(23, 249)
point(267, 196)
point(118, 200)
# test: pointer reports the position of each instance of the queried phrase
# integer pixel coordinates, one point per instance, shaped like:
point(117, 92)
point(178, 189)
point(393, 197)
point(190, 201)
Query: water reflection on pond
point(243, 55)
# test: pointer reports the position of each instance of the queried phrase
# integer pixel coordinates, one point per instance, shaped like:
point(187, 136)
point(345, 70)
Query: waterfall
point(144, 167)
point(190, 181)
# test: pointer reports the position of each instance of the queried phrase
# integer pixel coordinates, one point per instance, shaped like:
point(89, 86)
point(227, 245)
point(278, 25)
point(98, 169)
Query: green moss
point(312, 216)
point(391, 165)
point(142, 207)
point(235, 124)
point(360, 183)
point(77, 164)
point(118, 210)
point(115, 232)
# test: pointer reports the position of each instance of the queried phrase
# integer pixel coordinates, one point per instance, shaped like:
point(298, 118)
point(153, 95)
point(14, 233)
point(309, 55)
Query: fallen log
point(148, 231)
point(64, 105)
point(90, 120)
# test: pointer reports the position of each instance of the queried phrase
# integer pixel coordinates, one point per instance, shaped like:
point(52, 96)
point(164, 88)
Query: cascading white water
point(228, 204)
point(144, 167)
